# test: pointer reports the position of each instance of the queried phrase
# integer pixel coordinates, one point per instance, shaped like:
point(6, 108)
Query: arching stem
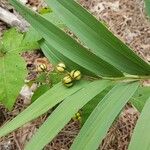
point(128, 77)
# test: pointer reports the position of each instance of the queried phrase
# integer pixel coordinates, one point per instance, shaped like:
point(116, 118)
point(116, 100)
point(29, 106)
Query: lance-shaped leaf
point(47, 50)
point(63, 113)
point(97, 125)
point(98, 38)
point(55, 57)
point(65, 45)
point(33, 36)
point(48, 100)
point(141, 139)
point(147, 7)
point(140, 97)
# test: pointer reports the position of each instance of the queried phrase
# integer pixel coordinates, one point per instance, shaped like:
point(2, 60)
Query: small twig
point(12, 19)
point(16, 141)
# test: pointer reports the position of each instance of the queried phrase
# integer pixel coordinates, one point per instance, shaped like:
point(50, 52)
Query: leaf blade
point(12, 75)
point(46, 101)
point(55, 57)
point(66, 45)
point(94, 130)
point(140, 97)
point(141, 139)
point(63, 114)
point(104, 44)
point(147, 7)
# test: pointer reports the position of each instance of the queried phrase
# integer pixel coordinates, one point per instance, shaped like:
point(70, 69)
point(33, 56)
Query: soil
point(127, 20)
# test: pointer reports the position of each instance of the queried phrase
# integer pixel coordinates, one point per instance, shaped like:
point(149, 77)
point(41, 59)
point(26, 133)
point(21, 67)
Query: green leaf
point(97, 125)
point(64, 112)
point(45, 10)
point(12, 76)
point(15, 42)
point(13, 68)
point(40, 91)
point(147, 7)
point(48, 53)
point(55, 77)
point(90, 106)
point(140, 97)
point(30, 39)
point(48, 100)
point(98, 38)
point(65, 45)
point(55, 19)
point(11, 40)
point(55, 57)
point(42, 77)
point(140, 138)
point(33, 36)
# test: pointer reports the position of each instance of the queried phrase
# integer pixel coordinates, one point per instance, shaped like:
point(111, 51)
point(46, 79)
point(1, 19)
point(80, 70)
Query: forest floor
point(127, 20)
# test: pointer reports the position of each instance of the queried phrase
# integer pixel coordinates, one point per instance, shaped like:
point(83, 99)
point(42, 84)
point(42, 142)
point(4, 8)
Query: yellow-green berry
point(78, 114)
point(75, 74)
point(61, 67)
point(41, 67)
point(67, 81)
point(79, 118)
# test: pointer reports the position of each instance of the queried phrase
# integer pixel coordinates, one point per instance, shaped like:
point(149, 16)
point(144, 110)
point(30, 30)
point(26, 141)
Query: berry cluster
point(70, 77)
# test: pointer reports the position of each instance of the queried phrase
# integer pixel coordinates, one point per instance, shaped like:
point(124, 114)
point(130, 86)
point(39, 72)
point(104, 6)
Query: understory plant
point(105, 63)
point(13, 67)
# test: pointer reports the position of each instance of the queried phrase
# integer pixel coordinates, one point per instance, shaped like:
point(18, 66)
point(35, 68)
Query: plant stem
point(128, 77)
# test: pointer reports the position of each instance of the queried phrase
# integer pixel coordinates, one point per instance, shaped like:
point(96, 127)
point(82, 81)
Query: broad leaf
point(15, 42)
point(97, 125)
point(13, 67)
point(32, 36)
point(64, 112)
point(12, 76)
point(141, 139)
point(11, 40)
point(65, 45)
point(98, 38)
point(48, 100)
